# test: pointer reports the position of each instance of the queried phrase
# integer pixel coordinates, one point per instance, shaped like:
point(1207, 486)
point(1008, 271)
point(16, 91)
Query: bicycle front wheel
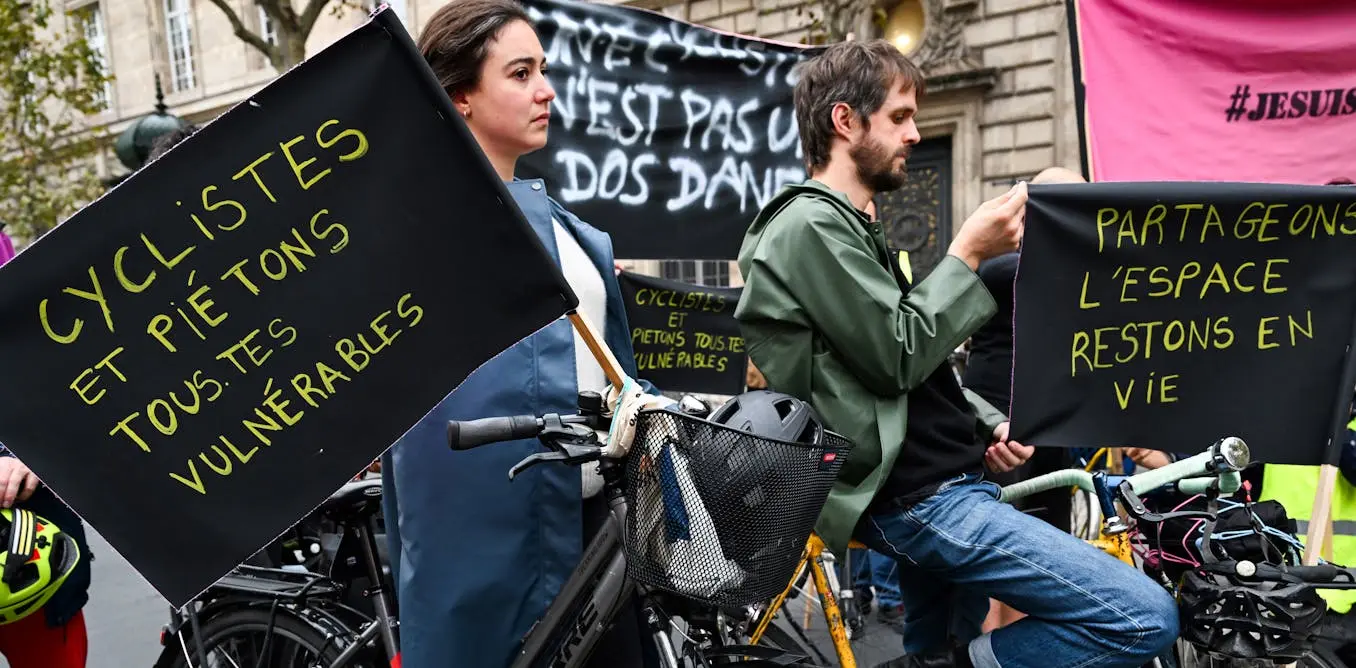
point(257, 637)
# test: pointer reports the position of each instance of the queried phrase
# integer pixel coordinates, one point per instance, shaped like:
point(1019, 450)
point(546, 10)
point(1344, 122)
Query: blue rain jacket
point(478, 559)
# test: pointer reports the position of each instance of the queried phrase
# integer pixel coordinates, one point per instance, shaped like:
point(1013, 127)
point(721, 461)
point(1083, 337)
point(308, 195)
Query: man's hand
point(993, 229)
point(1004, 455)
point(18, 482)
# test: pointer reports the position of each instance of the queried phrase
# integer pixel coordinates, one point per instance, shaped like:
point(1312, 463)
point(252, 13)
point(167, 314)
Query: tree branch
point(238, 27)
point(310, 14)
point(281, 12)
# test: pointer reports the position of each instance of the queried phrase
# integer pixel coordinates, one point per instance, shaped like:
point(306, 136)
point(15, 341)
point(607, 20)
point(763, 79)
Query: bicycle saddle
point(355, 501)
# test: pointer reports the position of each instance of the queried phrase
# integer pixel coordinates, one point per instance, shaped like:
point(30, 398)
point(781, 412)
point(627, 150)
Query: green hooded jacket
point(825, 321)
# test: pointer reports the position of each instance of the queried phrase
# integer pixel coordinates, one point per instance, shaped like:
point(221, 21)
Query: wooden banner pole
point(1319, 538)
point(600, 351)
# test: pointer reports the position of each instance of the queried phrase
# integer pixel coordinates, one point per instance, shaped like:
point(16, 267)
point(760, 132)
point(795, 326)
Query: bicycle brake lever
point(534, 459)
point(1134, 505)
point(569, 453)
point(1139, 511)
point(557, 433)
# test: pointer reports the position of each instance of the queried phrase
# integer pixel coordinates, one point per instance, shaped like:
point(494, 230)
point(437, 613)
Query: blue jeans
point(871, 569)
point(962, 546)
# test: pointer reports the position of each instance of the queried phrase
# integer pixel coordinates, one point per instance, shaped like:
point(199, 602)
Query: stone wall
point(1027, 122)
point(1016, 121)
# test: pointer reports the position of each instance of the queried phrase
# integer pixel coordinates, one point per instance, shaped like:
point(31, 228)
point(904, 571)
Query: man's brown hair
point(457, 38)
point(858, 74)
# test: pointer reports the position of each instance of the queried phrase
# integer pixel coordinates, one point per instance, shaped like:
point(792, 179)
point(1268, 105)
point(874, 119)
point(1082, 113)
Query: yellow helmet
point(38, 559)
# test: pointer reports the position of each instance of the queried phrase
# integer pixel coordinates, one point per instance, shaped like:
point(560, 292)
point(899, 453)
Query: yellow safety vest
point(1295, 488)
point(906, 266)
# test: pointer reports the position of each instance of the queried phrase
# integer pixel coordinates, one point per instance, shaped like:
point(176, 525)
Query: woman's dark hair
point(170, 140)
point(457, 39)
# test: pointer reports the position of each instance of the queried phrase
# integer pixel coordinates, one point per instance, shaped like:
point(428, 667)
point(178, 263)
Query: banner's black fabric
point(1169, 315)
point(667, 135)
point(197, 359)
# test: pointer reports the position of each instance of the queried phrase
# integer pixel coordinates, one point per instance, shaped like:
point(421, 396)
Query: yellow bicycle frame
point(813, 558)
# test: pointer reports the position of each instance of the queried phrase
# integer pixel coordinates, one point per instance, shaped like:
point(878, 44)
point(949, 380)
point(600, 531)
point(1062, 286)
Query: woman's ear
point(462, 104)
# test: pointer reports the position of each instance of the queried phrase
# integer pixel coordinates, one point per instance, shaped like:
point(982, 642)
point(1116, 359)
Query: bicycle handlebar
point(569, 439)
point(475, 433)
point(1220, 462)
point(1317, 574)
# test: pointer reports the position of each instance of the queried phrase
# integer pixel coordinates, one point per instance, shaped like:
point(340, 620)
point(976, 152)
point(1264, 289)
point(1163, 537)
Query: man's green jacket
point(825, 320)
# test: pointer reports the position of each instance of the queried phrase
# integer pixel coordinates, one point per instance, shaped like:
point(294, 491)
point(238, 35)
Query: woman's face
point(511, 107)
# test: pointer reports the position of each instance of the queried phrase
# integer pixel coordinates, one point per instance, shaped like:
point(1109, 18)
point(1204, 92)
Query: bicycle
point(1213, 472)
point(724, 560)
point(257, 615)
point(258, 608)
point(844, 621)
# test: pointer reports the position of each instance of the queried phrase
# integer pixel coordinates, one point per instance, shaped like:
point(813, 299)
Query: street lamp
point(904, 25)
point(133, 146)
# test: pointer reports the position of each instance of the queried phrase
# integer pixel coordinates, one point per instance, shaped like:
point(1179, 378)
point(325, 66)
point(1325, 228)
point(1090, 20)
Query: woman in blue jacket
point(479, 559)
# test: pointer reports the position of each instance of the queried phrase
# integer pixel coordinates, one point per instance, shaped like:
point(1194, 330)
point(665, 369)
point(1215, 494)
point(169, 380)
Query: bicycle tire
point(1321, 657)
point(1317, 657)
point(314, 639)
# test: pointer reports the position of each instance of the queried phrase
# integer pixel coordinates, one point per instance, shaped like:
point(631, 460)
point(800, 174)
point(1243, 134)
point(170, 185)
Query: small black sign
point(685, 336)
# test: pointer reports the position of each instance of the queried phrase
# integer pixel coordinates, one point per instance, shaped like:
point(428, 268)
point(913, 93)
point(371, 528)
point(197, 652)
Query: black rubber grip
point(1318, 573)
point(475, 433)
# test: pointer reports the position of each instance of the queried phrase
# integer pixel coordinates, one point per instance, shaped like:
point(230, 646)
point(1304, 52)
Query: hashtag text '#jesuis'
point(1238, 103)
point(1289, 104)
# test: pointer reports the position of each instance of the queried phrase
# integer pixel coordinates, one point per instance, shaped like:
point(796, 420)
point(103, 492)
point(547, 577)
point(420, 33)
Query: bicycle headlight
point(1233, 453)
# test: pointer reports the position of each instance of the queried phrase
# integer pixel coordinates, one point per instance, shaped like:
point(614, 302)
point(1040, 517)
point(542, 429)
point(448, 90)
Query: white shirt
point(588, 286)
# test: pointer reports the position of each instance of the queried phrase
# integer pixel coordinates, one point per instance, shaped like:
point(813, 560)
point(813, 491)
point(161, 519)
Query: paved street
point(876, 644)
point(125, 614)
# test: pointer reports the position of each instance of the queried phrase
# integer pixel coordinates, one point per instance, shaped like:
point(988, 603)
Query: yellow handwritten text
point(284, 405)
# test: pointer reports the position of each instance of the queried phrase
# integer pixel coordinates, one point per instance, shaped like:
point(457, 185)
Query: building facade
point(1000, 105)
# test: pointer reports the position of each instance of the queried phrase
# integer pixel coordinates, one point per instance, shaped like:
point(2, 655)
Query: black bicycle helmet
point(1242, 610)
point(771, 415)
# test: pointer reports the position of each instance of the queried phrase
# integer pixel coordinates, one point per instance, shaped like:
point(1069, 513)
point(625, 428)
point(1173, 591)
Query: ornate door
point(917, 217)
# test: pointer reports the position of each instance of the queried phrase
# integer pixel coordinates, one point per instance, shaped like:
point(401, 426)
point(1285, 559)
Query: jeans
point(962, 546)
point(873, 570)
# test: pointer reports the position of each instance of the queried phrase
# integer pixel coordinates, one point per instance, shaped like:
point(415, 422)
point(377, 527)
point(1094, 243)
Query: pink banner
point(1219, 90)
point(6, 248)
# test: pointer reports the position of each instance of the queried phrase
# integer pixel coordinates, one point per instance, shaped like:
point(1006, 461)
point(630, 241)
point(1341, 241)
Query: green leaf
point(50, 84)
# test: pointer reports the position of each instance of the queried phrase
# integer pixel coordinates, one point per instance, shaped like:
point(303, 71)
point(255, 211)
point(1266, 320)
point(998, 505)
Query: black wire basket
point(717, 515)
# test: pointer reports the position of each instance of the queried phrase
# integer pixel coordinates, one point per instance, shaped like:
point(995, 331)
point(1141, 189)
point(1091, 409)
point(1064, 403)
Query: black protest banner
point(201, 356)
point(685, 336)
point(667, 135)
point(1169, 315)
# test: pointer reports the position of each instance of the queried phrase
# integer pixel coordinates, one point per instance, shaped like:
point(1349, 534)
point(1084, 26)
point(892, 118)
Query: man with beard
point(827, 319)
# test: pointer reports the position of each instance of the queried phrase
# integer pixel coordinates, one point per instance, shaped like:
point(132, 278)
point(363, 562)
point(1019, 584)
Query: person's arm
point(1150, 459)
point(890, 342)
point(1347, 464)
point(987, 418)
point(17, 482)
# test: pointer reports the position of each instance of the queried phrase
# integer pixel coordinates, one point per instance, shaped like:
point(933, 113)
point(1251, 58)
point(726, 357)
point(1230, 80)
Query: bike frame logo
point(587, 617)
